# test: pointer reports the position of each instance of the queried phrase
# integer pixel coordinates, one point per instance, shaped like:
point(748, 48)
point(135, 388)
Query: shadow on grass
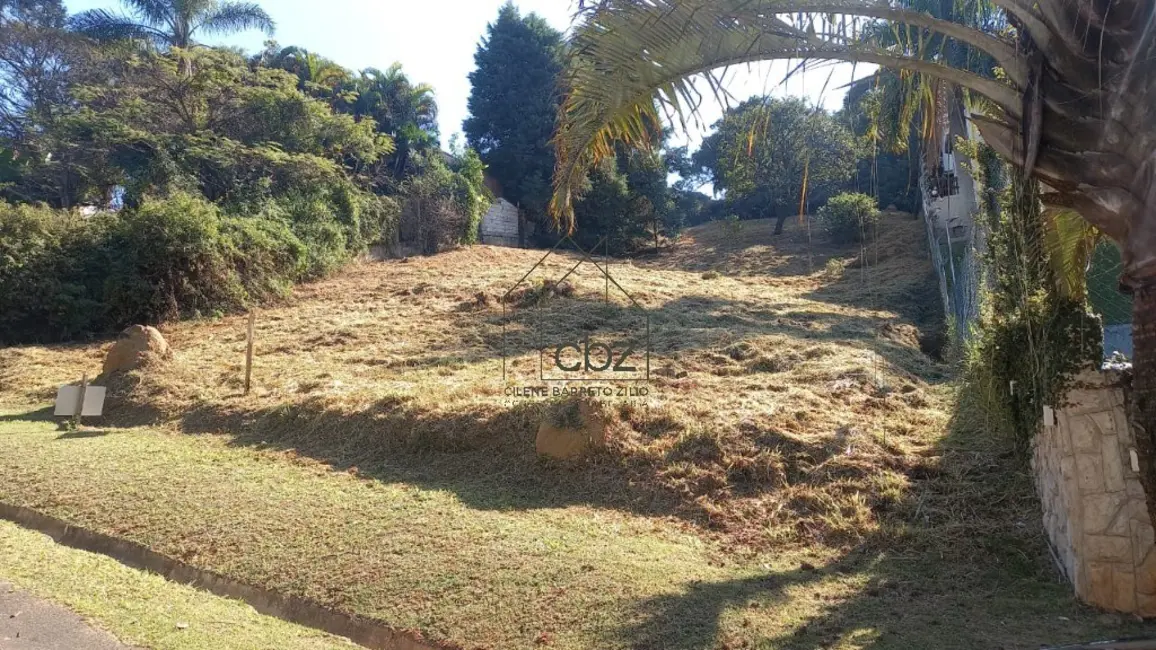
point(39, 415)
point(959, 563)
point(83, 433)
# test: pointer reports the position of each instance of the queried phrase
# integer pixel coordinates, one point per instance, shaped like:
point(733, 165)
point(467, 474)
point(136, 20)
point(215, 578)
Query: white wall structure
point(500, 225)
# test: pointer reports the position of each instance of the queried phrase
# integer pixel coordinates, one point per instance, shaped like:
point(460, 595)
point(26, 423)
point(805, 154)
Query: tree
point(37, 54)
point(888, 166)
point(1070, 105)
point(513, 103)
point(316, 74)
point(172, 23)
point(774, 157)
point(405, 111)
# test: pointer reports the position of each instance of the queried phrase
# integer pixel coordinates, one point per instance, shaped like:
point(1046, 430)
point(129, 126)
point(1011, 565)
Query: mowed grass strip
point(143, 609)
point(573, 577)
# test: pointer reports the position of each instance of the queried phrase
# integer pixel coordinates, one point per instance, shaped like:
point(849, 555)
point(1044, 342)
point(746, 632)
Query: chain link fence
point(1112, 306)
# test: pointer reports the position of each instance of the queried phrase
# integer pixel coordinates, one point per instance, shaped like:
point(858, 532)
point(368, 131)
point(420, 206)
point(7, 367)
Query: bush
point(38, 298)
point(166, 259)
point(62, 275)
point(848, 217)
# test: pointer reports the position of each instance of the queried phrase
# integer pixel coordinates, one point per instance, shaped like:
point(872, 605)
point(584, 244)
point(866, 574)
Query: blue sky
point(435, 42)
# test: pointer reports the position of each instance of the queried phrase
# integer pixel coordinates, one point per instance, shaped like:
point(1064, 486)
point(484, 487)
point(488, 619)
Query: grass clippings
point(788, 482)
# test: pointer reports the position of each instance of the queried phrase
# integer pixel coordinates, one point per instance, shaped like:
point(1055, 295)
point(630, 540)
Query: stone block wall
point(1095, 514)
point(499, 225)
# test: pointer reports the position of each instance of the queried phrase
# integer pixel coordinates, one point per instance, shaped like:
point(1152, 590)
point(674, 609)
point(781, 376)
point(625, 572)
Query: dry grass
point(792, 449)
point(782, 407)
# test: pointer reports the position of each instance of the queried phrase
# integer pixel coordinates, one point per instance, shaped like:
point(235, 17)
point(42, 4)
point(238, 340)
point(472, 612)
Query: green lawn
point(494, 574)
point(143, 609)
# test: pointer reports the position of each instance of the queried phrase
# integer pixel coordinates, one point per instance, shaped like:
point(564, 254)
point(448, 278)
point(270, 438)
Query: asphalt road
point(28, 623)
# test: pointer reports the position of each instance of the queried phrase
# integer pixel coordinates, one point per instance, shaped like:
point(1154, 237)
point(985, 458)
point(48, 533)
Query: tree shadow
point(38, 415)
point(959, 563)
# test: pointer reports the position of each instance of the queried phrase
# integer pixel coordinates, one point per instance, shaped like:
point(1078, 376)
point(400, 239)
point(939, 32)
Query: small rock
point(182, 626)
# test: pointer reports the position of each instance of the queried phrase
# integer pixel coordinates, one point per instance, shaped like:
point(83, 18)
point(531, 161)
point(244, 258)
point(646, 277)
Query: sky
point(435, 41)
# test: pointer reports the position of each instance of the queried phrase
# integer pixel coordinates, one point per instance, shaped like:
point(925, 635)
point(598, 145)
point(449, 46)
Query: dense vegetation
point(216, 180)
point(515, 94)
point(211, 180)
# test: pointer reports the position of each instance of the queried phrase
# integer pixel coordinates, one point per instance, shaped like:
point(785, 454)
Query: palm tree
point(315, 73)
point(1072, 103)
point(172, 23)
point(406, 111)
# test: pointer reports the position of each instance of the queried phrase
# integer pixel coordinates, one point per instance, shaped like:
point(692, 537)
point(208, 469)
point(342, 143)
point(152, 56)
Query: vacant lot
point(790, 481)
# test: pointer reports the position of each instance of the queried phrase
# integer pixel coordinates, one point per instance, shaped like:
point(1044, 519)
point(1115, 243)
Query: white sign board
point(66, 400)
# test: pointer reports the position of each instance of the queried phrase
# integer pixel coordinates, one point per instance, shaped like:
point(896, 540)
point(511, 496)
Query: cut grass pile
point(143, 609)
point(783, 408)
point(788, 482)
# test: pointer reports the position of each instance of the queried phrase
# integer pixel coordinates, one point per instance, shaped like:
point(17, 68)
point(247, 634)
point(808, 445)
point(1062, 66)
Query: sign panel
point(66, 401)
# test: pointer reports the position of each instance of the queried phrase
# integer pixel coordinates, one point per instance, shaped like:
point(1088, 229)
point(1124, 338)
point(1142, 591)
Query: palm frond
point(236, 16)
point(155, 13)
point(1069, 241)
point(104, 25)
point(631, 57)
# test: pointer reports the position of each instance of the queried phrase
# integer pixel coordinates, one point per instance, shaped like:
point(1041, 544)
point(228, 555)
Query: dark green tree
point(513, 105)
point(772, 155)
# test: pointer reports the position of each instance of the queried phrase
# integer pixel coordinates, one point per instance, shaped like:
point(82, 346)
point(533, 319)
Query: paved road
point(28, 623)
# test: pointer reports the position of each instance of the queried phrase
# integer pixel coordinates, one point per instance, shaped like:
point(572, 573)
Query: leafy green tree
point(513, 105)
point(772, 156)
point(172, 23)
point(316, 75)
point(234, 133)
point(406, 111)
point(889, 164)
point(37, 55)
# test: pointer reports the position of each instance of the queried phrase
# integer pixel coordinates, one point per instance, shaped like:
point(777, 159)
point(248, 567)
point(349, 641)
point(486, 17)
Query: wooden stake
point(80, 400)
point(249, 353)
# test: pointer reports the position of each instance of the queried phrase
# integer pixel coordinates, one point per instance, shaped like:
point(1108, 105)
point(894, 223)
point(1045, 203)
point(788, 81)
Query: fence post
point(76, 413)
point(249, 352)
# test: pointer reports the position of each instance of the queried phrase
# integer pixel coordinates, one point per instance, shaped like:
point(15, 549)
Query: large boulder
point(136, 346)
point(572, 429)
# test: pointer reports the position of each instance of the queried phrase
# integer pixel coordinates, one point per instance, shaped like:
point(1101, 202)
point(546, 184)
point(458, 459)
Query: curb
point(362, 630)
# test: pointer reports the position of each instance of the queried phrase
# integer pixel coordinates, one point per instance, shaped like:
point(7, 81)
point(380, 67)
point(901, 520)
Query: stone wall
point(1094, 509)
point(500, 224)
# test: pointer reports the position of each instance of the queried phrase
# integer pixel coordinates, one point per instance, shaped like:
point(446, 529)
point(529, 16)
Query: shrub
point(268, 257)
point(62, 275)
point(848, 217)
point(38, 299)
point(166, 259)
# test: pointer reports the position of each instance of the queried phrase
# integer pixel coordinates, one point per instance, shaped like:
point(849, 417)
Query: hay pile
point(785, 405)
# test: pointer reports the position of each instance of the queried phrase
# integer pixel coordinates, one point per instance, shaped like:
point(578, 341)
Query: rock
point(573, 429)
point(891, 208)
point(136, 346)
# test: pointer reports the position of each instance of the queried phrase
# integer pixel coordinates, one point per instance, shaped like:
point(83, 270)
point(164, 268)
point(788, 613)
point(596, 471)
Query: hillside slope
point(762, 377)
point(788, 480)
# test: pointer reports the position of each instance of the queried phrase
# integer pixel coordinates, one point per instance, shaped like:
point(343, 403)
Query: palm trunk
point(1144, 388)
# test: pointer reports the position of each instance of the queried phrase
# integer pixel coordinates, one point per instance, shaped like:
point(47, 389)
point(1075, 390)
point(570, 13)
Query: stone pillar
point(1095, 515)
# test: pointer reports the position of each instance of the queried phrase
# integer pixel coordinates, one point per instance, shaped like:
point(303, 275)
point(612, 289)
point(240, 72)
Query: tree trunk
point(1144, 387)
point(779, 224)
